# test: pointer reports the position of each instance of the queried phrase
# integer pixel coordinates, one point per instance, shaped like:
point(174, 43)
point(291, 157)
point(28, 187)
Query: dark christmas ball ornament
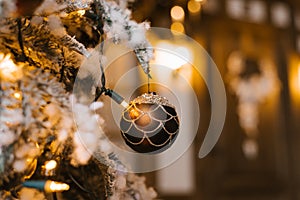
point(149, 124)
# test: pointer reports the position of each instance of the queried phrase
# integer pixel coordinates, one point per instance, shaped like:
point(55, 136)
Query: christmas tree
point(45, 128)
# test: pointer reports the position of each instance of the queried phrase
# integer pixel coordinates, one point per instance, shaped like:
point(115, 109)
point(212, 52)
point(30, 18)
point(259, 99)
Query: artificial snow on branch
point(119, 27)
point(7, 8)
point(42, 46)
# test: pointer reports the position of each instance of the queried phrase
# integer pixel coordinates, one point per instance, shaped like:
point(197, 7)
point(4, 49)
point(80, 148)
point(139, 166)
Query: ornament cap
point(151, 98)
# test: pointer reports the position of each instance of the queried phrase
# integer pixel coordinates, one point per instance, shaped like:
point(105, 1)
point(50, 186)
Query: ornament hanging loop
point(148, 86)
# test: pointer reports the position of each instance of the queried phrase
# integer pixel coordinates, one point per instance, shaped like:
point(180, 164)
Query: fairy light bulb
point(48, 186)
point(53, 186)
point(49, 168)
point(49, 165)
point(17, 95)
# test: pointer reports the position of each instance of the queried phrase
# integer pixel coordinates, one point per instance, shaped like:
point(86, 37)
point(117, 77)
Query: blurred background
point(256, 47)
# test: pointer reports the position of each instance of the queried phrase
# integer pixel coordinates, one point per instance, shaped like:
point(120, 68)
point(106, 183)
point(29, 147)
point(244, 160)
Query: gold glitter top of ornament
point(151, 98)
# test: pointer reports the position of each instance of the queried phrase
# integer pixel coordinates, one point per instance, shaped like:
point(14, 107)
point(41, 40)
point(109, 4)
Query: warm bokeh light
point(298, 77)
point(194, 7)
point(250, 148)
point(294, 79)
point(172, 56)
point(177, 13)
point(177, 27)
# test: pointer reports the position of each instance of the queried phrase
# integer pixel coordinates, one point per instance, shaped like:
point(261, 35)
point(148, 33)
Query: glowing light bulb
point(49, 168)
point(49, 165)
point(17, 95)
point(53, 186)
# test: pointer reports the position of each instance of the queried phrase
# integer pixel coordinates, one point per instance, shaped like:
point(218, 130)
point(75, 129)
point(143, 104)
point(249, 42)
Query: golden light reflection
point(177, 13)
point(133, 113)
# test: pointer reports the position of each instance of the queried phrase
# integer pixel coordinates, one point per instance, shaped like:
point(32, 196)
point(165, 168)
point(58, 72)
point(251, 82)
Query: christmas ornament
point(149, 124)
